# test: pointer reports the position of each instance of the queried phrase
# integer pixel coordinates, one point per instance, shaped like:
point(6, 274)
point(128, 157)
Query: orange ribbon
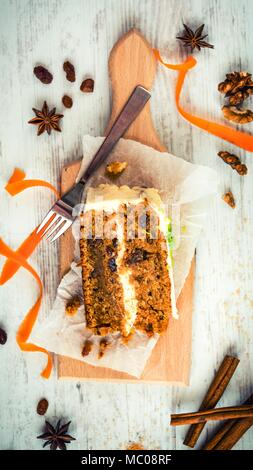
point(17, 183)
point(241, 139)
point(27, 324)
point(16, 259)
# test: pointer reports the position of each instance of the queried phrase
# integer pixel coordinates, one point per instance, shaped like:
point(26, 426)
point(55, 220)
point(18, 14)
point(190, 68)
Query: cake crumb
point(135, 446)
point(229, 199)
point(72, 306)
point(87, 347)
point(103, 345)
point(115, 168)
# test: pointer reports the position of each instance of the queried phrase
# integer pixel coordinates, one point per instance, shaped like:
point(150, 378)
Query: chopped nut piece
point(43, 74)
point(87, 348)
point(69, 69)
point(102, 347)
point(115, 168)
point(72, 306)
point(240, 116)
point(87, 85)
point(229, 199)
point(67, 101)
point(234, 162)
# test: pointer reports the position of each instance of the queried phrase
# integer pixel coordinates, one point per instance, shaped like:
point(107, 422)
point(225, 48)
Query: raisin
point(115, 242)
point(93, 274)
point(112, 264)
point(95, 241)
point(137, 255)
point(70, 71)
point(87, 85)
point(43, 74)
point(149, 327)
point(67, 101)
point(109, 250)
point(42, 406)
point(3, 336)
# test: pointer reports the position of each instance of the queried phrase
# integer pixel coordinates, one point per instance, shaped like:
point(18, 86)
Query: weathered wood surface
point(132, 63)
point(49, 32)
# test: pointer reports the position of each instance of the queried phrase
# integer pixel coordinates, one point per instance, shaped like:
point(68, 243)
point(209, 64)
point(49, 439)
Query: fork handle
point(132, 108)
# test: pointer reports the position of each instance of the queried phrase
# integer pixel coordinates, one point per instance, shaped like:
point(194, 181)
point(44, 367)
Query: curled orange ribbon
point(27, 324)
point(17, 183)
point(241, 139)
point(16, 259)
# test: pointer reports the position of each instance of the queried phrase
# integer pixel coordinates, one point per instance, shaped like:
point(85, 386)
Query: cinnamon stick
point(230, 433)
point(217, 414)
point(214, 393)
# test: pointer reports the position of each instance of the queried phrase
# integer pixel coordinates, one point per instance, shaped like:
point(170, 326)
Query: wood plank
point(84, 32)
point(132, 63)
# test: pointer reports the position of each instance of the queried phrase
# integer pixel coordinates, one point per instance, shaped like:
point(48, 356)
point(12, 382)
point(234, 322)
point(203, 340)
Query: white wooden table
point(110, 415)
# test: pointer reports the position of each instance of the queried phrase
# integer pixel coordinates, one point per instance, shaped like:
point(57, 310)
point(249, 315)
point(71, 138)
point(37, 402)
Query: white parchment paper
point(186, 189)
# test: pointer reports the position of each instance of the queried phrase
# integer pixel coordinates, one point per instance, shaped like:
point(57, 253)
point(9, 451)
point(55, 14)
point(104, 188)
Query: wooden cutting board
point(132, 63)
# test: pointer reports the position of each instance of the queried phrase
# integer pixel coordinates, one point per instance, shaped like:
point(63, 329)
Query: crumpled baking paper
point(186, 189)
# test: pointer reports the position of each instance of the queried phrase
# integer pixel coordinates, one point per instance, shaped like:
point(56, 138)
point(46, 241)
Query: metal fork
point(62, 211)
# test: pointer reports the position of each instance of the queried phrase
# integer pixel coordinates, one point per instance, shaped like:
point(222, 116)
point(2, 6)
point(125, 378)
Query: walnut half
point(234, 114)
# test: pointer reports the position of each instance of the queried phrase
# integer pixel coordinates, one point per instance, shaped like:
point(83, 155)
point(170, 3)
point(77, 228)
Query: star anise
point(56, 437)
point(46, 120)
point(194, 39)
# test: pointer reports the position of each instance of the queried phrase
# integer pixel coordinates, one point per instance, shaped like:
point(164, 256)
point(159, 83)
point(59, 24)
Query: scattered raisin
point(86, 348)
point(93, 274)
point(115, 242)
point(112, 264)
point(109, 250)
point(67, 101)
point(149, 328)
point(137, 255)
point(95, 241)
point(42, 406)
point(87, 85)
point(69, 69)
point(43, 74)
point(3, 336)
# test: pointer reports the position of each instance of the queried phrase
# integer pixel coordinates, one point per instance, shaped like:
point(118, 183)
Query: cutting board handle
point(133, 63)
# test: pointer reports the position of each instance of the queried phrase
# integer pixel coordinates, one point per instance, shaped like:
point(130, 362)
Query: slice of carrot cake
point(126, 261)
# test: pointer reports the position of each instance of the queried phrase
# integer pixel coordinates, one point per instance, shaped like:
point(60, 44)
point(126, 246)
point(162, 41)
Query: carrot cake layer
point(126, 262)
